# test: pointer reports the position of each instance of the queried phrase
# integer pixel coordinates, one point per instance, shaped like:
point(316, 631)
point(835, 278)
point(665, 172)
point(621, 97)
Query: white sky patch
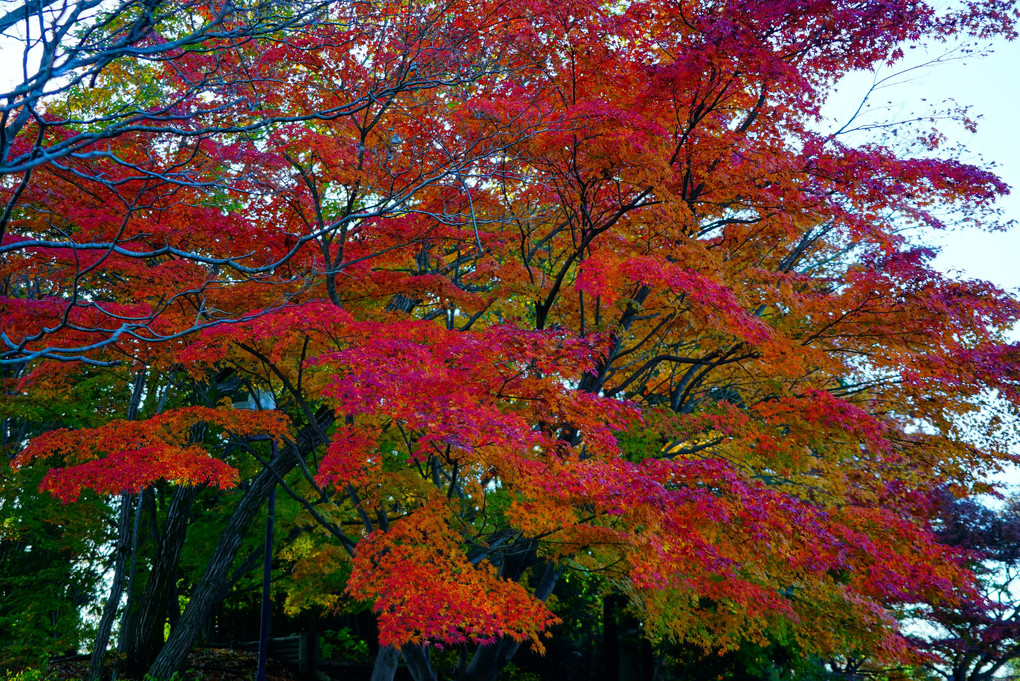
point(986, 84)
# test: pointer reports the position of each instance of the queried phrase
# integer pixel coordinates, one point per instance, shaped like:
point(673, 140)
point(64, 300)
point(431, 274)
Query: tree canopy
point(536, 289)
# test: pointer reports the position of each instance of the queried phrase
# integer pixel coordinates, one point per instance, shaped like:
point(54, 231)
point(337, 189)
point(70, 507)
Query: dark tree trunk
point(489, 661)
point(145, 637)
point(129, 607)
point(385, 664)
point(123, 544)
point(210, 589)
point(417, 660)
point(610, 637)
point(628, 653)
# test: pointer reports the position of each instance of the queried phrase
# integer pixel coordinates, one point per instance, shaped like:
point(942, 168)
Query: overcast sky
point(988, 85)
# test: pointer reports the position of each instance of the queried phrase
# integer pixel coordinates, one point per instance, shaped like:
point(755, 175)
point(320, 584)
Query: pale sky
point(989, 85)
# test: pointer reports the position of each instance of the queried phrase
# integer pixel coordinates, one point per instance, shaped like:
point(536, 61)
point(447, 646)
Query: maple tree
point(978, 638)
point(537, 288)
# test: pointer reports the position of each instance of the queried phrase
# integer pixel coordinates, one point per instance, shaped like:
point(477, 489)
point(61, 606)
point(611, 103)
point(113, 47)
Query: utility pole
point(263, 400)
point(267, 571)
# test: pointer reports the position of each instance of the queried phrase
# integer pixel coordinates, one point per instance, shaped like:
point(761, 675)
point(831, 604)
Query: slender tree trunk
point(121, 551)
point(610, 638)
point(385, 667)
point(146, 637)
point(135, 584)
point(116, 589)
point(209, 590)
point(129, 606)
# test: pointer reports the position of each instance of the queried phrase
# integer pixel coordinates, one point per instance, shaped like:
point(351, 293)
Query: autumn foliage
point(537, 288)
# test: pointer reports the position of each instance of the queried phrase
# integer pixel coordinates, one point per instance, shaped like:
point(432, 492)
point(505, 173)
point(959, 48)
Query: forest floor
point(206, 664)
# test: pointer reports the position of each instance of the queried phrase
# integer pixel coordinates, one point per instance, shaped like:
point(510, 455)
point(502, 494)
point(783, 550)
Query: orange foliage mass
point(582, 287)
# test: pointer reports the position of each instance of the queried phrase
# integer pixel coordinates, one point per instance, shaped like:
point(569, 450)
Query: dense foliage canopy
point(522, 290)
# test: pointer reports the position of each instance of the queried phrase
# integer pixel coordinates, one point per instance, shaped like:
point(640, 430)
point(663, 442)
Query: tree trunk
point(417, 660)
point(145, 639)
point(124, 539)
point(385, 667)
point(116, 589)
point(489, 661)
point(611, 604)
point(209, 590)
point(131, 585)
point(628, 653)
